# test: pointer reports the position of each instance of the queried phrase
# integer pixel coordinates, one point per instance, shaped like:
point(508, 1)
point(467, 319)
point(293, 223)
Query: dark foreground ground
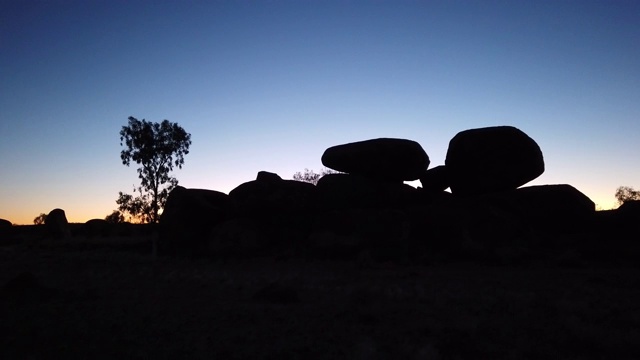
point(87, 302)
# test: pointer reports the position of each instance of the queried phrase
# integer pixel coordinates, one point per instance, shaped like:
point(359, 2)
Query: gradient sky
point(269, 85)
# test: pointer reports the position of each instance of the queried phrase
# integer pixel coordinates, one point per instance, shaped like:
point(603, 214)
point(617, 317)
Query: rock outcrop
point(368, 212)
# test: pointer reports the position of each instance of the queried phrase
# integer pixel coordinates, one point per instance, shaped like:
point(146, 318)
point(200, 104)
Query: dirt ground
point(82, 302)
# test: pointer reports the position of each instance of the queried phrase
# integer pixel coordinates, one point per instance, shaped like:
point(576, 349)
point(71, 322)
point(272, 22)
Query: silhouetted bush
point(40, 219)
point(626, 193)
point(311, 177)
point(116, 217)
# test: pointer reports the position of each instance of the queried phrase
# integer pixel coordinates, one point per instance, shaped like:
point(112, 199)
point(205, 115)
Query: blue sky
point(269, 85)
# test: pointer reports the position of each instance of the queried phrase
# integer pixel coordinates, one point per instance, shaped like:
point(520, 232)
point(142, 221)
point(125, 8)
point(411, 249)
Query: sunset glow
point(271, 85)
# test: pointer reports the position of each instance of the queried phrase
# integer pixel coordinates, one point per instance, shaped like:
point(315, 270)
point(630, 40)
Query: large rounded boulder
point(557, 209)
point(188, 218)
point(5, 229)
point(492, 159)
point(97, 227)
point(4, 224)
point(57, 224)
point(384, 159)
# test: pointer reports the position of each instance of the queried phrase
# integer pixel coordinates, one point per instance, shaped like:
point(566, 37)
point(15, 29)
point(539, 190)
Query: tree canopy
point(626, 193)
point(39, 220)
point(157, 148)
point(115, 217)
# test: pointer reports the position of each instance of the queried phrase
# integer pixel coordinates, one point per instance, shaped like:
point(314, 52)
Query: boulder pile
point(474, 207)
point(367, 211)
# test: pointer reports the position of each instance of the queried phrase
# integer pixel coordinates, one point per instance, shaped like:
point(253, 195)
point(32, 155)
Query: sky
point(269, 85)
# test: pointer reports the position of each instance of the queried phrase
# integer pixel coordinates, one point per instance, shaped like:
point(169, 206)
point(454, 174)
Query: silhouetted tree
point(626, 193)
point(312, 177)
point(39, 220)
point(116, 217)
point(157, 148)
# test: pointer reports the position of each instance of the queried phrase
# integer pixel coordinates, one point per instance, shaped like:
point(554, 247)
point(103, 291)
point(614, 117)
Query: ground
point(68, 301)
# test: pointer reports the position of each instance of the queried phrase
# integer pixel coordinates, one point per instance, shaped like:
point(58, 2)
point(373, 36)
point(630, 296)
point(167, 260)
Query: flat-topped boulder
point(383, 159)
point(492, 159)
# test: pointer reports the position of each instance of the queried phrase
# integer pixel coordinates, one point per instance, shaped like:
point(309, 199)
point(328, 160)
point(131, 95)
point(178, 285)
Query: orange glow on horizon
point(24, 218)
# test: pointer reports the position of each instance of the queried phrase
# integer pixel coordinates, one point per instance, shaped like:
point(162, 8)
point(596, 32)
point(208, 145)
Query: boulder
point(6, 231)
point(345, 191)
point(265, 176)
point(619, 223)
point(630, 208)
point(270, 194)
point(436, 179)
point(188, 218)
point(57, 224)
point(97, 227)
point(548, 208)
point(492, 159)
point(386, 159)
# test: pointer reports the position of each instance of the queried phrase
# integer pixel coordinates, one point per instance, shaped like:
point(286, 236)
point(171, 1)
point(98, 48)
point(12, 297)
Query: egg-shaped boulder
point(492, 159)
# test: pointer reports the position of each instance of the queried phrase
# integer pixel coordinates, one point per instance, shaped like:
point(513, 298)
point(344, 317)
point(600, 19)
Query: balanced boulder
point(384, 159)
point(492, 159)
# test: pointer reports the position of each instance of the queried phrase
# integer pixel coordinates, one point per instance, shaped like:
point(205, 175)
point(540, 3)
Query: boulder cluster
point(474, 207)
point(367, 211)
